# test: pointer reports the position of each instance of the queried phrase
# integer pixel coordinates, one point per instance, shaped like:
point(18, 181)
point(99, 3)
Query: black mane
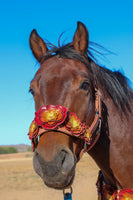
point(114, 83)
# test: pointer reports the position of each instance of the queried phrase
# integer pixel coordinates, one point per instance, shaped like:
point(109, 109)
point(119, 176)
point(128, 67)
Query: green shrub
point(7, 150)
point(29, 149)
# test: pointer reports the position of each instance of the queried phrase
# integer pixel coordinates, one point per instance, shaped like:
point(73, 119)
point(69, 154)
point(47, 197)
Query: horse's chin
point(59, 186)
point(56, 174)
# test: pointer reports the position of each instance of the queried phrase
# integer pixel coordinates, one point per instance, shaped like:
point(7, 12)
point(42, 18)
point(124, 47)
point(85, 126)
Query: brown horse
point(68, 76)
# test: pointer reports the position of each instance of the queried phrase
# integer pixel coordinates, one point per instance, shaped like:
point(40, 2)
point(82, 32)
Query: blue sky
point(110, 23)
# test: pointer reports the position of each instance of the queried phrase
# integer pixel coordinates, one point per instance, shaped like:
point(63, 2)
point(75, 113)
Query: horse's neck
point(100, 153)
point(119, 121)
point(110, 151)
point(121, 140)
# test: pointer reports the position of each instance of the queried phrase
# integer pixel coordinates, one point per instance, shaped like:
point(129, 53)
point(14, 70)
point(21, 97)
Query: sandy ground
point(18, 180)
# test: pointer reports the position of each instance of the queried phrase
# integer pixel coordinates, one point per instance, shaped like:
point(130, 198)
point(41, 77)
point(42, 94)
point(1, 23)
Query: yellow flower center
point(75, 123)
point(128, 198)
point(33, 127)
point(88, 134)
point(50, 115)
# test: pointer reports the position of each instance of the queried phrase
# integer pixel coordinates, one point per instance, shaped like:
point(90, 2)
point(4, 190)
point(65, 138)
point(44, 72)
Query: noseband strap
point(57, 118)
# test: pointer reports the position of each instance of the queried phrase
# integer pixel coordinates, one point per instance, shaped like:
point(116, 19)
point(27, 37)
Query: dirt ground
point(18, 180)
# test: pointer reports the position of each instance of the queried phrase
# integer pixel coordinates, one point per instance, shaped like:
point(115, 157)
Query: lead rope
point(67, 195)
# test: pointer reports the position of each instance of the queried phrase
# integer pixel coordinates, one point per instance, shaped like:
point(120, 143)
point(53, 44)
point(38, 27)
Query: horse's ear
point(81, 39)
point(37, 45)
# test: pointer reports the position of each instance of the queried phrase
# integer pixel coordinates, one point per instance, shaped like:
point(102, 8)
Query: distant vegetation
point(19, 148)
point(7, 150)
point(29, 149)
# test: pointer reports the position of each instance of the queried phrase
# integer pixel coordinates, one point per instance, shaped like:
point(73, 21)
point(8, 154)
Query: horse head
point(65, 82)
point(72, 96)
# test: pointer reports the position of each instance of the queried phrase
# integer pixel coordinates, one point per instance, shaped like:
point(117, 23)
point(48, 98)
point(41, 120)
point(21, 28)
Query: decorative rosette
point(87, 134)
point(33, 130)
point(74, 125)
point(50, 117)
point(125, 194)
point(109, 192)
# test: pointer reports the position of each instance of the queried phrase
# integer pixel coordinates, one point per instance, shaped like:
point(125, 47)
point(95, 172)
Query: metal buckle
point(67, 195)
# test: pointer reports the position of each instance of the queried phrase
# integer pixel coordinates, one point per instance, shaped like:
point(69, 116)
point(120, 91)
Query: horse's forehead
point(61, 67)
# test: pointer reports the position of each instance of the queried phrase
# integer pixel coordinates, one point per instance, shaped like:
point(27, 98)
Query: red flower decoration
point(125, 194)
point(74, 125)
point(33, 130)
point(50, 117)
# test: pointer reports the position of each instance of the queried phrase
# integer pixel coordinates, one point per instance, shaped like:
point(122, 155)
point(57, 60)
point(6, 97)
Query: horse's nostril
point(63, 160)
point(63, 156)
point(67, 161)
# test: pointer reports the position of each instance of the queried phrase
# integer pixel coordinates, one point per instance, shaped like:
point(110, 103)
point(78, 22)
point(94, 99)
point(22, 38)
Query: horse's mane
point(114, 83)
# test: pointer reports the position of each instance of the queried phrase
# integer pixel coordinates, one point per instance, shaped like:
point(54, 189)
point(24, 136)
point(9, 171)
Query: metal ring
point(64, 193)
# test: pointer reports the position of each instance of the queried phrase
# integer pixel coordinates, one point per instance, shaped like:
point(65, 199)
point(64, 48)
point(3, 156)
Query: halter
point(57, 118)
point(106, 192)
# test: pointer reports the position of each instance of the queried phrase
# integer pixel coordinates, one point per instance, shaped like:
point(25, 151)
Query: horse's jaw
point(59, 173)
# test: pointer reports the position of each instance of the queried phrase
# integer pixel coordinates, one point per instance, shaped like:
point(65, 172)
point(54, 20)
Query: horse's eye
point(31, 90)
point(84, 86)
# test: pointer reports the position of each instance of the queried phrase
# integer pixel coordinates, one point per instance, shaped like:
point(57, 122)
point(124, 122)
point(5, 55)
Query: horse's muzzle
point(58, 173)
